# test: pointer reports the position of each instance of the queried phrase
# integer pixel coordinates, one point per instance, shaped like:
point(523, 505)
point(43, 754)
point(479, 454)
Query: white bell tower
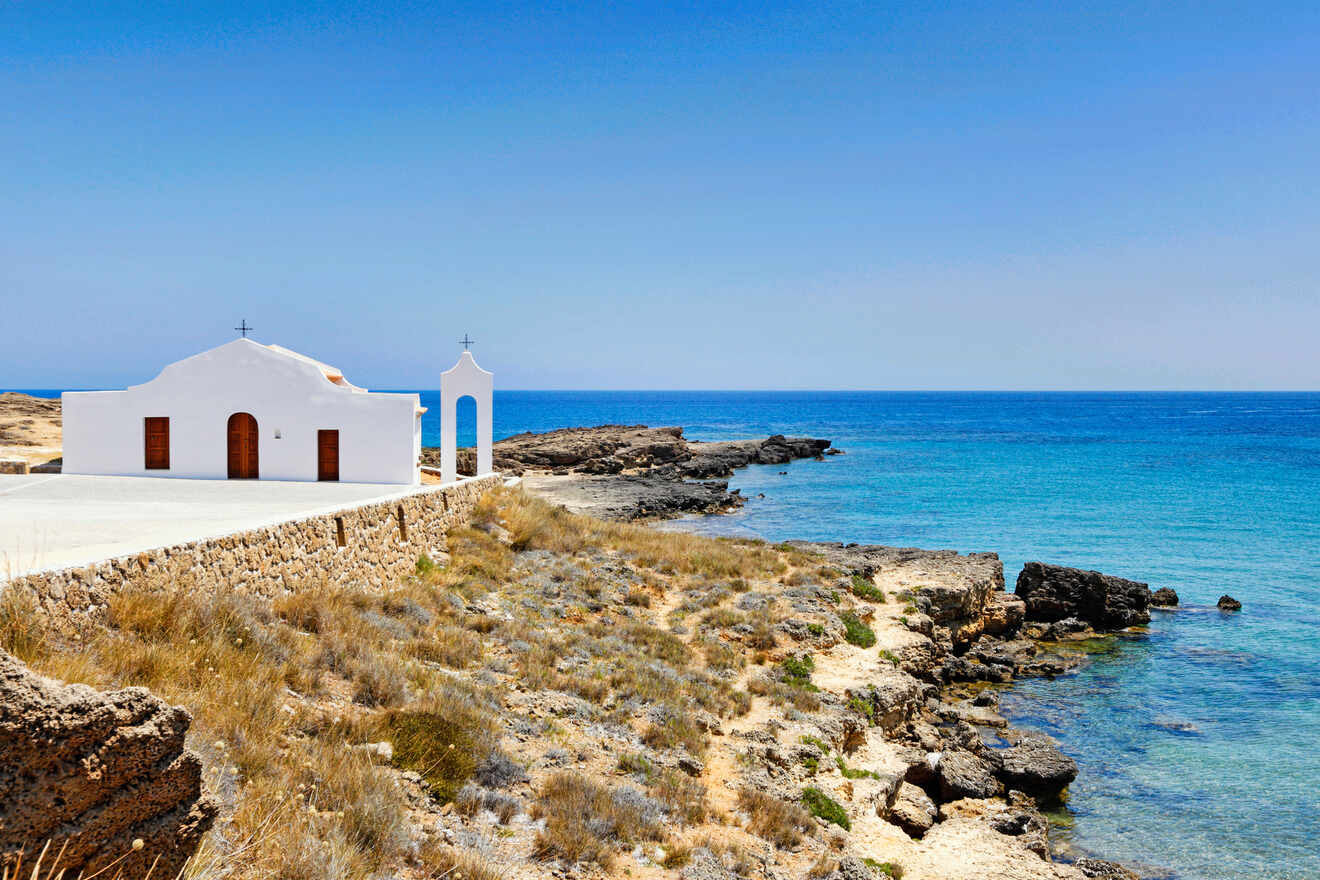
point(465, 379)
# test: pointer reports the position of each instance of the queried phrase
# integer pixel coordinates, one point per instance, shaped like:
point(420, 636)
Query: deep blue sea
point(1198, 742)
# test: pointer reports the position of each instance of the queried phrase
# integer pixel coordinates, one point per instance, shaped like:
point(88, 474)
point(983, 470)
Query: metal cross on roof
point(243, 327)
point(465, 342)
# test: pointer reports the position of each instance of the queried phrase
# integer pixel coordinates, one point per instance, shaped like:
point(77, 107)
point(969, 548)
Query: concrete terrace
point(65, 520)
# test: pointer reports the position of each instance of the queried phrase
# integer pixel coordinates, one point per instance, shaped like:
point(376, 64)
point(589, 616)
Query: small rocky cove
point(968, 636)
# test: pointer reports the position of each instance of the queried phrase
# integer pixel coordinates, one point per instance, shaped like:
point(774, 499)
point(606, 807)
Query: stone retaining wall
point(375, 544)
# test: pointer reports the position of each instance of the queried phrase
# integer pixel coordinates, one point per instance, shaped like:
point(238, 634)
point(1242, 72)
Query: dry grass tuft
point(21, 633)
point(447, 863)
point(782, 823)
point(675, 731)
point(684, 796)
point(443, 741)
point(587, 822)
point(534, 524)
point(300, 802)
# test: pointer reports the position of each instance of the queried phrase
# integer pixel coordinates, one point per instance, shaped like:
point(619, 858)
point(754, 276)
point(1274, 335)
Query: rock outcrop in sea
point(94, 774)
point(1164, 597)
point(1054, 593)
point(631, 472)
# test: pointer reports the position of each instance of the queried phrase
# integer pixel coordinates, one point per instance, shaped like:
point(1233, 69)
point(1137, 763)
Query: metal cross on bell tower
point(243, 327)
point(465, 342)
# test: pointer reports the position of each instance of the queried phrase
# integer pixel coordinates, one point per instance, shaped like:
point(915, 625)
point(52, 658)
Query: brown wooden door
point(157, 443)
point(243, 447)
point(327, 455)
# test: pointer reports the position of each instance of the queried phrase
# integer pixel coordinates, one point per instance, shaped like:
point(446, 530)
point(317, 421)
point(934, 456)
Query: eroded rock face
point(92, 772)
point(1053, 592)
point(893, 697)
point(1004, 613)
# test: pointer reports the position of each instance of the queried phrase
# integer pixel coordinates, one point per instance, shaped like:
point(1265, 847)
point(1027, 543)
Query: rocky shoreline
point(634, 472)
point(967, 632)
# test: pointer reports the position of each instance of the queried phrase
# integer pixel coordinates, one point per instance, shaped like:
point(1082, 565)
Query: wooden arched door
point(242, 447)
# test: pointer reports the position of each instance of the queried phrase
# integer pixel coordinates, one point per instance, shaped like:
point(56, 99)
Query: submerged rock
point(1099, 869)
point(1228, 603)
point(1054, 592)
point(94, 773)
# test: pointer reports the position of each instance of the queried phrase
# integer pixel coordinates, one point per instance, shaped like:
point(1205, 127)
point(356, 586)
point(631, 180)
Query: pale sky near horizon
point(993, 195)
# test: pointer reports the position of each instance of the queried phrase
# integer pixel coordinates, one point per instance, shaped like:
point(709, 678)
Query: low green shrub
point(852, 772)
point(863, 708)
point(864, 589)
point(856, 632)
point(636, 765)
point(822, 806)
point(817, 742)
point(888, 869)
point(796, 671)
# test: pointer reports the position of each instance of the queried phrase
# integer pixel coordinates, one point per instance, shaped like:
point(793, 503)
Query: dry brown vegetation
point(533, 606)
point(266, 683)
point(587, 821)
point(778, 821)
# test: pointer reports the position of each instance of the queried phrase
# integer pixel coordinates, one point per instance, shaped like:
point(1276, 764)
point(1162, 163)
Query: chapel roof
point(333, 374)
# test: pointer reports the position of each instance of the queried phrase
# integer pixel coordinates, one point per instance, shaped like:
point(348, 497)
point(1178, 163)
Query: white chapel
point(246, 410)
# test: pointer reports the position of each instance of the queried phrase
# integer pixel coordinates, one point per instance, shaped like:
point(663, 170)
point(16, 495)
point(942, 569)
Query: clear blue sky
point(916, 195)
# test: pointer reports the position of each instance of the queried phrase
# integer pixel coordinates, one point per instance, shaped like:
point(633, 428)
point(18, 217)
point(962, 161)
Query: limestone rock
point(966, 848)
point(1004, 613)
point(703, 864)
point(964, 775)
point(1228, 603)
point(913, 811)
point(1015, 816)
point(1035, 765)
point(851, 868)
point(92, 772)
point(1053, 592)
point(893, 697)
point(1164, 598)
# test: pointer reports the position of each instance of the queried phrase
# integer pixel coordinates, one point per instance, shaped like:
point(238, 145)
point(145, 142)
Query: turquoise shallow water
point(1199, 742)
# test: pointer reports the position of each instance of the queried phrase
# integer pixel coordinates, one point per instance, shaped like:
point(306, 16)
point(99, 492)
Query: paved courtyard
point(62, 520)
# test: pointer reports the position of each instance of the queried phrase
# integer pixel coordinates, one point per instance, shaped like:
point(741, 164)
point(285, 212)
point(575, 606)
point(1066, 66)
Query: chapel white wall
point(379, 434)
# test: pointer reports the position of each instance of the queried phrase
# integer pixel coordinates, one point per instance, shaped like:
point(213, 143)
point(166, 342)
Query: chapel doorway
point(243, 447)
point(327, 455)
